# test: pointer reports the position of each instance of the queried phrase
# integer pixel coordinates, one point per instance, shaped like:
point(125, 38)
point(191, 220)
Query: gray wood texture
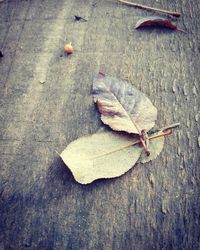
point(153, 206)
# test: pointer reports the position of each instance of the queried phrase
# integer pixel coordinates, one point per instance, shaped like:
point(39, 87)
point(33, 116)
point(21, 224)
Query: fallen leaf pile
point(110, 154)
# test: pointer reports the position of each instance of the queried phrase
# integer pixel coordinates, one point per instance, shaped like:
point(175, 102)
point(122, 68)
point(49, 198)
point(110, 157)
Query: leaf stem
point(157, 135)
point(162, 132)
point(142, 6)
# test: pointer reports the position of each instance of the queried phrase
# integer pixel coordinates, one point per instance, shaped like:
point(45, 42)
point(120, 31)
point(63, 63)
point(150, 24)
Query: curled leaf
point(101, 155)
point(156, 22)
point(123, 107)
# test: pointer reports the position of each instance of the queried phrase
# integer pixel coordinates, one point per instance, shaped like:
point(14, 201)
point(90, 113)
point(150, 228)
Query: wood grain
point(153, 206)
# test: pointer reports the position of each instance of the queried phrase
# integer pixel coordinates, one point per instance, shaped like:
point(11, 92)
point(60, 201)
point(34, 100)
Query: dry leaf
point(108, 154)
point(101, 155)
point(123, 107)
point(155, 147)
point(156, 22)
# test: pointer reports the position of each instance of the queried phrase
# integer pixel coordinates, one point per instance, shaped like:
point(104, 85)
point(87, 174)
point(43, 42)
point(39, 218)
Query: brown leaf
point(101, 155)
point(156, 22)
point(123, 107)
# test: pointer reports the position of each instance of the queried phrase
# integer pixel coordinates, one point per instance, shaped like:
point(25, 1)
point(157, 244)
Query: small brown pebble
point(68, 48)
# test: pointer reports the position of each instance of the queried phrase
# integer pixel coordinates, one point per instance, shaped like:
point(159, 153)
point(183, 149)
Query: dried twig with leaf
point(111, 154)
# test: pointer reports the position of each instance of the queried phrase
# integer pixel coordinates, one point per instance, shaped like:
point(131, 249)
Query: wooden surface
point(153, 206)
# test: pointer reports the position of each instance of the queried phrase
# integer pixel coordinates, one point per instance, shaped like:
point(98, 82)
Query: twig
point(157, 135)
point(144, 138)
point(172, 13)
point(167, 131)
point(145, 146)
point(174, 125)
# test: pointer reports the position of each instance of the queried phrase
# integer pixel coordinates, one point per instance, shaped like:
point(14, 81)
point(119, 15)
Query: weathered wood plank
point(153, 206)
